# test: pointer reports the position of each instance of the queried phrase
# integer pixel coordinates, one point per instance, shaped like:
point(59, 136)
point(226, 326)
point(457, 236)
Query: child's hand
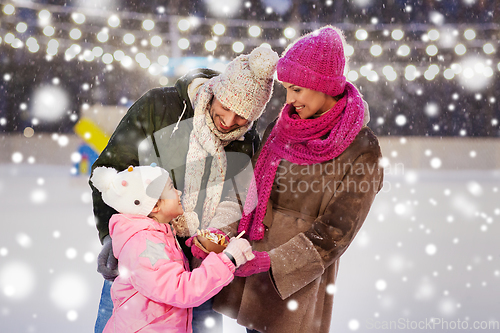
point(240, 249)
point(195, 250)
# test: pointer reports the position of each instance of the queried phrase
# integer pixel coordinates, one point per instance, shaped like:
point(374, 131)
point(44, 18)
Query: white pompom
point(102, 178)
point(186, 224)
point(262, 61)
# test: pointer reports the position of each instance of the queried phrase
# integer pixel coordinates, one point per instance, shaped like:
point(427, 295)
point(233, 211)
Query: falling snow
point(409, 260)
point(48, 249)
point(429, 247)
point(429, 263)
point(418, 254)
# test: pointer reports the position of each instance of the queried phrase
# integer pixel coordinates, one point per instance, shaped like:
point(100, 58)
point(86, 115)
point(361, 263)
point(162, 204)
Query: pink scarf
point(299, 141)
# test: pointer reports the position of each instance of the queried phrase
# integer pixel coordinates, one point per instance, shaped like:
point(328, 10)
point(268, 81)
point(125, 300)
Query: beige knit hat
point(246, 85)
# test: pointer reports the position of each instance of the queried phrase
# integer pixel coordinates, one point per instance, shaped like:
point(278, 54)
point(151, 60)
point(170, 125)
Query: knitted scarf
point(205, 139)
point(299, 141)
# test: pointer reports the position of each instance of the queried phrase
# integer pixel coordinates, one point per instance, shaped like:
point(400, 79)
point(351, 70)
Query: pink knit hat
point(315, 61)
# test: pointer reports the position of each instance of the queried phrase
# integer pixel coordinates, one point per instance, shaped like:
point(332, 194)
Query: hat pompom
point(262, 61)
point(102, 178)
point(246, 85)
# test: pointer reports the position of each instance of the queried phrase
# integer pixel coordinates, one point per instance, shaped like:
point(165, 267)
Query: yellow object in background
point(92, 134)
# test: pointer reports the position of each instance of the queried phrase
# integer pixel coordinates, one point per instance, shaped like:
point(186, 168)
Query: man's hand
point(107, 264)
point(195, 250)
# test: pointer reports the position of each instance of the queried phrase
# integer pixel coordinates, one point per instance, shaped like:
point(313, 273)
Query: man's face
point(224, 119)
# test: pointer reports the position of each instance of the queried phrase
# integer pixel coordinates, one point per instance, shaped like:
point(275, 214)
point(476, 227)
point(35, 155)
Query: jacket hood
point(182, 84)
point(123, 226)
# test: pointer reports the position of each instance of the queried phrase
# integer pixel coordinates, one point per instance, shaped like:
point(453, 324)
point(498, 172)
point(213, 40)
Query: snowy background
point(428, 249)
point(428, 69)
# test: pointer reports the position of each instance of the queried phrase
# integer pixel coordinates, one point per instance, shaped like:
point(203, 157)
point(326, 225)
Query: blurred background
point(429, 70)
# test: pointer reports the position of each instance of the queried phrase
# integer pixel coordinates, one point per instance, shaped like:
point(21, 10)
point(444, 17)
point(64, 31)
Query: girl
point(155, 291)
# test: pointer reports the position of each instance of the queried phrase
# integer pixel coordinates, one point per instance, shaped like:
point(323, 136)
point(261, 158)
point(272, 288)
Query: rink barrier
point(427, 153)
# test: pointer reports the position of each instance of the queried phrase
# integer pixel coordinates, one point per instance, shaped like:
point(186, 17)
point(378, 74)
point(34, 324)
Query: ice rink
point(427, 258)
point(428, 249)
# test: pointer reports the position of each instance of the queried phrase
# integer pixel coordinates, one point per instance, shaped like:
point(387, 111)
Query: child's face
point(169, 204)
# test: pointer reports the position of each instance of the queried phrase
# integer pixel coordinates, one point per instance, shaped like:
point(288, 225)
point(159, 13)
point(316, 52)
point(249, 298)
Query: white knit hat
point(132, 191)
point(246, 85)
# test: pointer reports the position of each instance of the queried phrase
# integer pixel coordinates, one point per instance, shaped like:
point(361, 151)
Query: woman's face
point(307, 102)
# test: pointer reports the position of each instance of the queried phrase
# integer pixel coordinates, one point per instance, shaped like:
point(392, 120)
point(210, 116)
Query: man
point(194, 130)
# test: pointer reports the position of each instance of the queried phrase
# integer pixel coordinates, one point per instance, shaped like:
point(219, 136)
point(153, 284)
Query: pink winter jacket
point(155, 291)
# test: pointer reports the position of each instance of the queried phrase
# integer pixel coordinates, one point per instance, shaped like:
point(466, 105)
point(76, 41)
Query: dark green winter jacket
point(147, 134)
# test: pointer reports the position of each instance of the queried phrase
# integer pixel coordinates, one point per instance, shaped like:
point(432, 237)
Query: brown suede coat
point(313, 215)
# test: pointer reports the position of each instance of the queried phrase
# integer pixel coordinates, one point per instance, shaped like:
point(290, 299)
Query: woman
point(316, 177)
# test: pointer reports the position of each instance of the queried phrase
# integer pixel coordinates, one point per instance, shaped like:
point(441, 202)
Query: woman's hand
point(195, 250)
point(261, 263)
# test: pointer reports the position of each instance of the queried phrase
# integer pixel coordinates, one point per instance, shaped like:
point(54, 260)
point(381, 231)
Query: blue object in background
point(88, 158)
